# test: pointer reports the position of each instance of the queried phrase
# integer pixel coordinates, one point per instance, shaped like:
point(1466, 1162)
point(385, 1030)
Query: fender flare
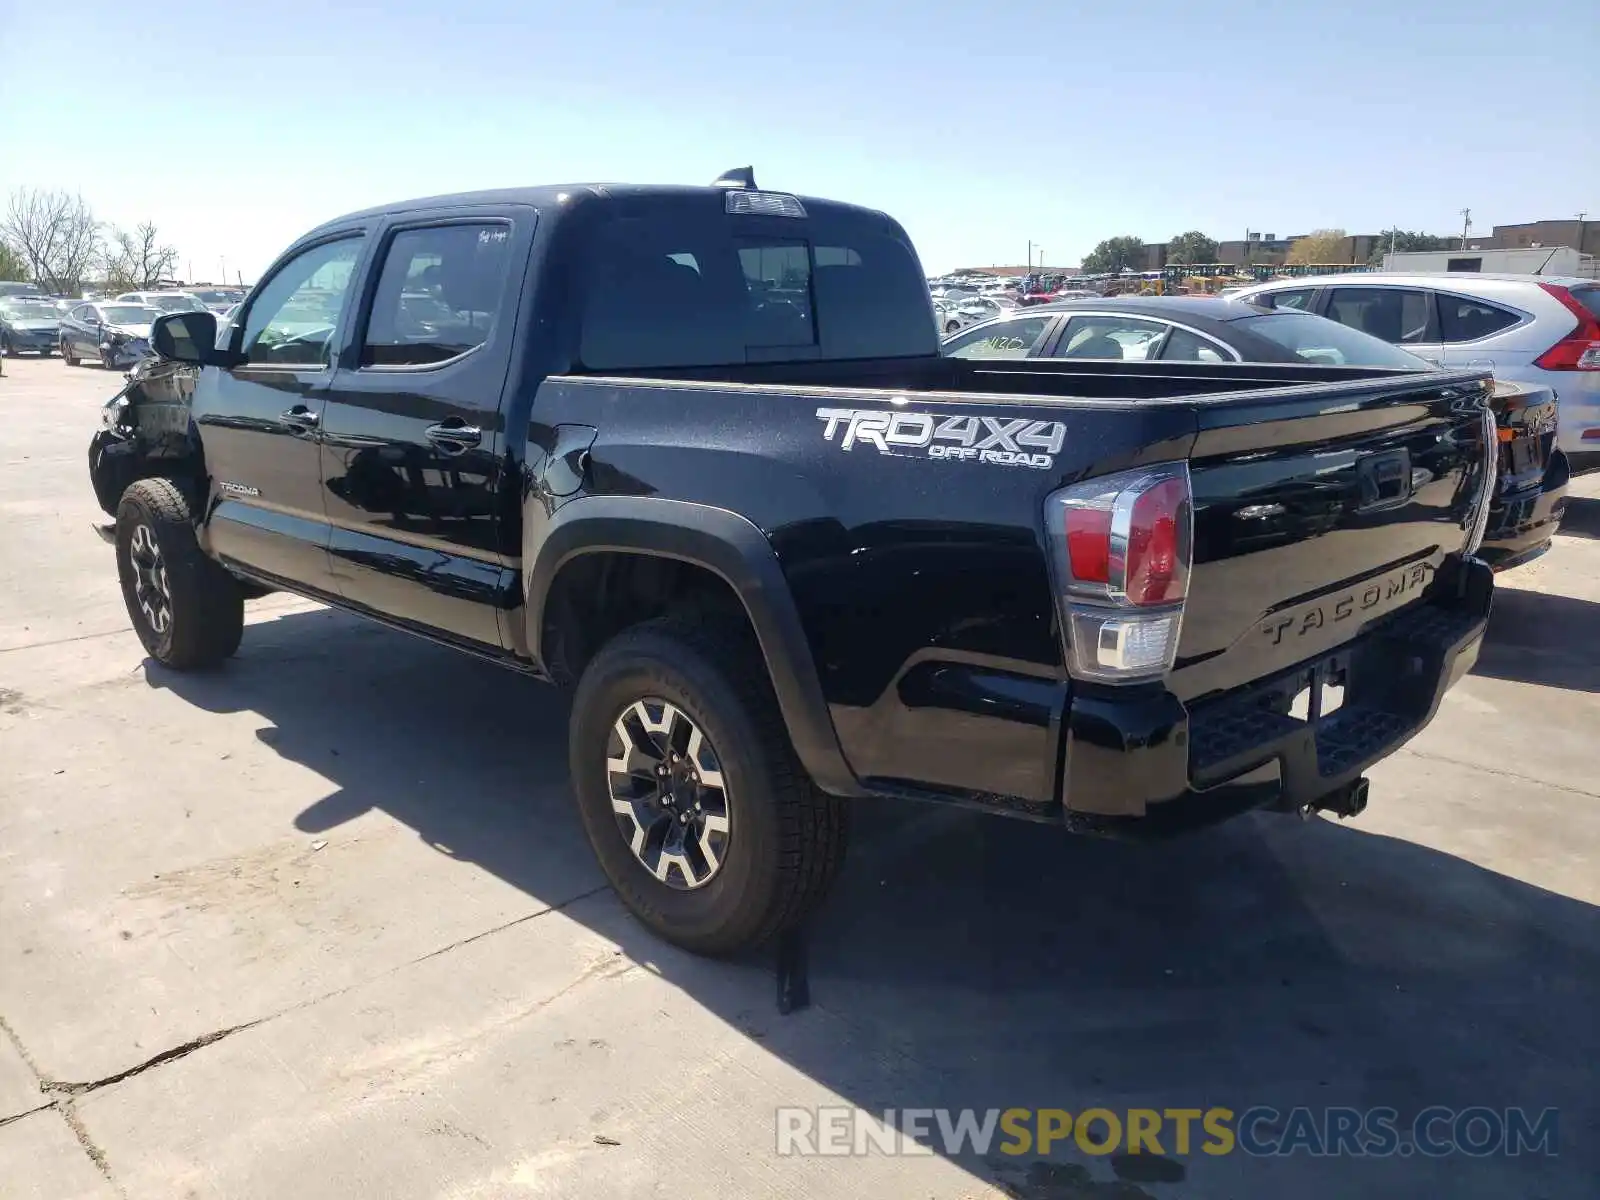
point(731, 547)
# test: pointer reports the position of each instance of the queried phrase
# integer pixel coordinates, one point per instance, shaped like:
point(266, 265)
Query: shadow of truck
point(968, 961)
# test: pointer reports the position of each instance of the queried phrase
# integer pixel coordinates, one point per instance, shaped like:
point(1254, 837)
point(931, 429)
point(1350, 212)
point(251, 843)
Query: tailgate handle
point(1385, 480)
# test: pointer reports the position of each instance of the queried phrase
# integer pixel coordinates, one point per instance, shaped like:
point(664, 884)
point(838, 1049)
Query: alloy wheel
point(150, 585)
point(668, 794)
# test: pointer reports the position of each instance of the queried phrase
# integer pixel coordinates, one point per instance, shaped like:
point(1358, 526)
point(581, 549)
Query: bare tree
point(12, 265)
point(57, 235)
point(137, 260)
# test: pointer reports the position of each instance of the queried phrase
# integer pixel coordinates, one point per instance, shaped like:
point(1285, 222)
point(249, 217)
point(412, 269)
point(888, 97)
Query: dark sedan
point(28, 325)
point(112, 334)
point(1531, 493)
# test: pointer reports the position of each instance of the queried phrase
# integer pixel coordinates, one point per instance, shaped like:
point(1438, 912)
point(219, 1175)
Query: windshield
point(29, 309)
point(128, 314)
point(213, 296)
point(1317, 340)
point(173, 303)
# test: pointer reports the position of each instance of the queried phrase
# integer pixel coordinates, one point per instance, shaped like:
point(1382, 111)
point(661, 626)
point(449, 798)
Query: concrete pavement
point(323, 923)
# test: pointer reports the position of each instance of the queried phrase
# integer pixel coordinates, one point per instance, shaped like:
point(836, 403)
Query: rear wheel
point(690, 792)
point(187, 610)
point(6, 348)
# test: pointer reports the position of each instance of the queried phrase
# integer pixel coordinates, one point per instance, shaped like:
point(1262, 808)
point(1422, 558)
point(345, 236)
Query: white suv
point(1539, 329)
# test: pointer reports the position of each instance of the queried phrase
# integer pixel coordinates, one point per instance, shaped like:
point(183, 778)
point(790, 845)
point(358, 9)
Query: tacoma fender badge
point(238, 489)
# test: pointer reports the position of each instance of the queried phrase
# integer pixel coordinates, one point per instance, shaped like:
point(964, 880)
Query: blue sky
point(980, 126)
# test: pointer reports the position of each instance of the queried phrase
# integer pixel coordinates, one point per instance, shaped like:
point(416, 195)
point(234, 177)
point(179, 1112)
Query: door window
point(1395, 315)
point(1111, 337)
point(1465, 320)
point(293, 319)
point(1008, 339)
point(439, 295)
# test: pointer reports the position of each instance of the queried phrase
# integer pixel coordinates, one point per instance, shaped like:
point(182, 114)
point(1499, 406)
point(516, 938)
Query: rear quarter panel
point(921, 582)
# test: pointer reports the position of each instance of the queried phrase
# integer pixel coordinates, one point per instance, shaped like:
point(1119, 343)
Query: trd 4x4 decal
point(1003, 441)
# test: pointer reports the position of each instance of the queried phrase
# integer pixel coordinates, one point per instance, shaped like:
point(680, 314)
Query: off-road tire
point(788, 837)
point(206, 608)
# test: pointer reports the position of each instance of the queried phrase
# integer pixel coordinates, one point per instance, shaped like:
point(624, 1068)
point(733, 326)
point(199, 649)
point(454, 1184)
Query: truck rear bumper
point(1151, 764)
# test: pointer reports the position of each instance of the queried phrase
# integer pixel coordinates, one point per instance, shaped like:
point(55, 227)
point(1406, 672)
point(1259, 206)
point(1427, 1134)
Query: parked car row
point(1530, 493)
point(1526, 328)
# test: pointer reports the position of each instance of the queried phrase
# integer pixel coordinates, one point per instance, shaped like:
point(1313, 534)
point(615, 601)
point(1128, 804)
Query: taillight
point(1580, 349)
point(1121, 546)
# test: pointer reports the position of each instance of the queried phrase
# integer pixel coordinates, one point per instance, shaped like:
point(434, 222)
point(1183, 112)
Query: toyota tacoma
point(693, 453)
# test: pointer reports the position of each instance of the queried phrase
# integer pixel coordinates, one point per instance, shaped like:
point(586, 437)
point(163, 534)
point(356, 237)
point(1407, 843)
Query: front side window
point(1465, 320)
point(292, 320)
point(1113, 337)
point(1007, 339)
point(1393, 315)
point(439, 295)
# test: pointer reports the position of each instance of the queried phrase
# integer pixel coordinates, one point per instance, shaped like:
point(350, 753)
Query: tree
point(56, 234)
point(12, 265)
point(137, 260)
point(1192, 247)
point(1404, 240)
point(1318, 246)
point(1113, 255)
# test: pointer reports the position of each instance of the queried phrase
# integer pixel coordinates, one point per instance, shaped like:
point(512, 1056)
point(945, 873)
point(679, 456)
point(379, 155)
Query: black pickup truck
point(694, 452)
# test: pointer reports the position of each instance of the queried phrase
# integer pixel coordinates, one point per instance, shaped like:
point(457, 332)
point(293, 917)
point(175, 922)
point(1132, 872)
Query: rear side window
point(1183, 346)
point(1327, 343)
point(1115, 337)
point(678, 290)
point(439, 295)
point(1391, 314)
point(1465, 320)
point(1288, 298)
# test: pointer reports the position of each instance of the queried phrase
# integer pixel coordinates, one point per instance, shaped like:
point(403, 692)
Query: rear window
point(674, 289)
point(1327, 343)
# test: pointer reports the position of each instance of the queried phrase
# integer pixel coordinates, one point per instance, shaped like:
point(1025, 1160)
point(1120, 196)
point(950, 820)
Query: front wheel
point(187, 610)
point(952, 327)
point(689, 790)
point(67, 356)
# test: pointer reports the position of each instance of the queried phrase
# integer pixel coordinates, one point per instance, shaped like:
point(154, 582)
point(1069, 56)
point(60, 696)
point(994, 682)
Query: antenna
point(738, 177)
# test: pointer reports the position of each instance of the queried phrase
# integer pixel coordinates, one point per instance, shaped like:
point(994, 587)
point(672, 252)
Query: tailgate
point(1319, 510)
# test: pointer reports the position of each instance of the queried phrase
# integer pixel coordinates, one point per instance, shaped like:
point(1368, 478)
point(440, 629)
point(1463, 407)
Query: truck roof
point(554, 194)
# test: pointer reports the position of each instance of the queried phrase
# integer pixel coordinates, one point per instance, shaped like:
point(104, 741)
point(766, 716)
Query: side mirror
point(188, 337)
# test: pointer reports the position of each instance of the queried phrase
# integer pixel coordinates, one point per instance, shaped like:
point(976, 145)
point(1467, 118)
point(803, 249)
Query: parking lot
point(324, 924)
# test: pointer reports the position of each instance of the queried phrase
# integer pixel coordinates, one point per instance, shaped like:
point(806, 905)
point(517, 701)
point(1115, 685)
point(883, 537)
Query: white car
point(1533, 328)
point(164, 302)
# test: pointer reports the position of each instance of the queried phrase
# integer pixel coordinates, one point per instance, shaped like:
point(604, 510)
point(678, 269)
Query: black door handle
point(300, 417)
point(454, 438)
